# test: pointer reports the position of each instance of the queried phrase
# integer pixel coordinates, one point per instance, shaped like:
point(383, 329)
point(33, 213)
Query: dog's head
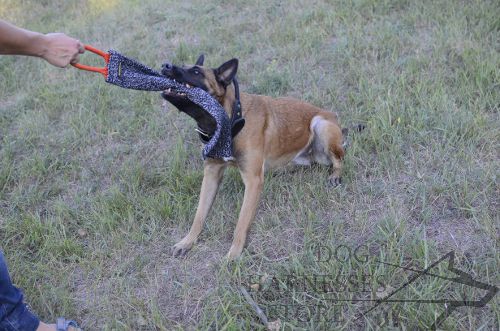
point(213, 81)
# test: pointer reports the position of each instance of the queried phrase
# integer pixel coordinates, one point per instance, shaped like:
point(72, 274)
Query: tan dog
point(277, 132)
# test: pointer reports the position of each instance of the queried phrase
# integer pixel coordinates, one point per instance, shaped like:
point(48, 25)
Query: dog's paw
point(181, 248)
point(179, 252)
point(335, 181)
point(234, 252)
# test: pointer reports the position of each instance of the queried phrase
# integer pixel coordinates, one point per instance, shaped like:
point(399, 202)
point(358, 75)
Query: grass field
point(98, 182)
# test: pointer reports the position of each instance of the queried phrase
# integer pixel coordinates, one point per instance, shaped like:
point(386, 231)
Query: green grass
point(97, 182)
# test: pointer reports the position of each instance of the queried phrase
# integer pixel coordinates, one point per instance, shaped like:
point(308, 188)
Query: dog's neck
point(227, 101)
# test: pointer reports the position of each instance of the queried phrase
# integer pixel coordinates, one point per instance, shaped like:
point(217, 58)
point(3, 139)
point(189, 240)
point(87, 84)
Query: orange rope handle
point(105, 55)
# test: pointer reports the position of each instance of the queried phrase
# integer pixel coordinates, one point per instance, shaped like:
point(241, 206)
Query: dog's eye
point(196, 72)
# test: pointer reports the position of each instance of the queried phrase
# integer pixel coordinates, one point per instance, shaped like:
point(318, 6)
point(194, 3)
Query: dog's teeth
point(169, 90)
point(188, 86)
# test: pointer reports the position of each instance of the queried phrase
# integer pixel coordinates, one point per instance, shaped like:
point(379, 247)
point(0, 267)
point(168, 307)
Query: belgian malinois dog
point(277, 132)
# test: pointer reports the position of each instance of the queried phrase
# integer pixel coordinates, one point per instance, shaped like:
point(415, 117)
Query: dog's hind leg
point(212, 175)
point(328, 149)
point(336, 154)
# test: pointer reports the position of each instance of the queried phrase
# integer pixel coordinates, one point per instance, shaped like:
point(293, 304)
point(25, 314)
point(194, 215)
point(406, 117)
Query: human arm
point(56, 48)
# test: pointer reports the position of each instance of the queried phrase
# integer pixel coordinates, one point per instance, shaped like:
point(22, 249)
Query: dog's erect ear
point(200, 60)
point(226, 72)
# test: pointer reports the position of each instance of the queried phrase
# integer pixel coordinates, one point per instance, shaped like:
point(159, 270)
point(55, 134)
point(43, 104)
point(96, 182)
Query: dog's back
point(286, 130)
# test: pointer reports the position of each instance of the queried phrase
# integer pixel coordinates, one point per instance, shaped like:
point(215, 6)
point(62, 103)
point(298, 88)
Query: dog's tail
point(345, 132)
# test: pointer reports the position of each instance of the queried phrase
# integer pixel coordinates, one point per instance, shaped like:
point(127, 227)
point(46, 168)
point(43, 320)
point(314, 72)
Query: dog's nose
point(167, 66)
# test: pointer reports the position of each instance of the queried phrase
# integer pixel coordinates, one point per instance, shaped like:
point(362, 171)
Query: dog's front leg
point(212, 175)
point(253, 181)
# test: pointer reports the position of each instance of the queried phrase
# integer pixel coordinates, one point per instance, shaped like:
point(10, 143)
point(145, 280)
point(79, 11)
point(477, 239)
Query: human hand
point(61, 50)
